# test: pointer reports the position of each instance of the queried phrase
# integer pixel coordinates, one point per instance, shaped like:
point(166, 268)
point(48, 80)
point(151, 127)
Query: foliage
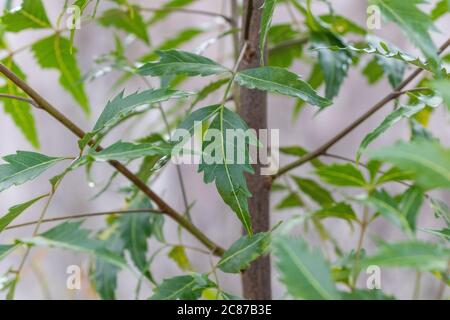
point(307, 59)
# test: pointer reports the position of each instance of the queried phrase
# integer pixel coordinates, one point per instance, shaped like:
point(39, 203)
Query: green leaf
point(266, 20)
point(126, 151)
point(385, 50)
point(344, 175)
point(162, 14)
point(104, 274)
point(175, 62)
point(428, 162)
point(317, 193)
point(292, 200)
point(121, 106)
point(280, 80)
point(19, 111)
point(178, 254)
point(334, 64)
point(415, 254)
point(388, 207)
point(31, 15)
point(305, 273)
point(6, 249)
point(443, 87)
point(127, 19)
point(22, 167)
point(410, 204)
point(441, 210)
point(405, 111)
point(189, 287)
point(54, 52)
point(15, 211)
point(393, 174)
point(415, 23)
point(70, 236)
point(441, 9)
point(225, 161)
point(285, 45)
point(340, 210)
point(298, 151)
point(243, 252)
point(443, 233)
point(135, 230)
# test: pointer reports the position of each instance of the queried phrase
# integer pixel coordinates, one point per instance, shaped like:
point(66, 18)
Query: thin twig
point(13, 97)
point(189, 11)
point(327, 145)
point(82, 216)
point(66, 122)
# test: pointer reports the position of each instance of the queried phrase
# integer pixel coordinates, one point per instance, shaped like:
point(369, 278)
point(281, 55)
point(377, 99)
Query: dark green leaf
point(280, 80)
point(317, 193)
point(244, 251)
point(345, 175)
point(266, 20)
point(175, 62)
point(15, 211)
point(189, 287)
point(24, 166)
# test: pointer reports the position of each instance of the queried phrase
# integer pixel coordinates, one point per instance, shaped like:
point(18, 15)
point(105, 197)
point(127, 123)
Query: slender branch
point(327, 145)
point(189, 11)
point(82, 216)
point(13, 97)
point(162, 205)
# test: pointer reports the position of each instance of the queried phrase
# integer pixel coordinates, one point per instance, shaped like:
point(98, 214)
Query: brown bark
point(256, 280)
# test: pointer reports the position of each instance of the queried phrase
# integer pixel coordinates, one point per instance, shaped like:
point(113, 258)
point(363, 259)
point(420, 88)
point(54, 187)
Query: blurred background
point(44, 276)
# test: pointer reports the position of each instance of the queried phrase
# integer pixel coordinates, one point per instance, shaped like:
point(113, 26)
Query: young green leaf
point(54, 52)
point(317, 193)
point(428, 162)
point(280, 80)
point(292, 200)
point(104, 274)
point(178, 255)
point(128, 20)
point(126, 151)
point(415, 254)
point(175, 62)
point(266, 21)
point(406, 111)
point(414, 22)
point(135, 230)
point(334, 64)
point(70, 236)
point(30, 15)
point(388, 207)
point(189, 287)
point(241, 253)
point(24, 166)
point(305, 273)
point(340, 210)
point(20, 111)
point(441, 9)
point(15, 211)
point(344, 175)
point(6, 249)
point(410, 204)
point(121, 106)
point(393, 174)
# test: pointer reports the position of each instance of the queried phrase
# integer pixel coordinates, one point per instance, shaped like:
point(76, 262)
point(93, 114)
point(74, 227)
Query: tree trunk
point(256, 280)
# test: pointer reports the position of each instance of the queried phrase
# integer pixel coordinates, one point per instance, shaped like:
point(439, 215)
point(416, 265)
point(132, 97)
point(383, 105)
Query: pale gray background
point(45, 273)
